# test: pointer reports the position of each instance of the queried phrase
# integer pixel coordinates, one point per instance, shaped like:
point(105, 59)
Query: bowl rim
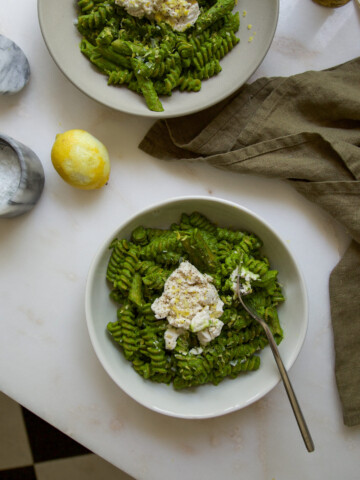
point(91, 328)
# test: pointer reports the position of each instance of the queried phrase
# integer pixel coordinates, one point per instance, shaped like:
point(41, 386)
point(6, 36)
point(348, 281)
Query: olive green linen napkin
point(304, 129)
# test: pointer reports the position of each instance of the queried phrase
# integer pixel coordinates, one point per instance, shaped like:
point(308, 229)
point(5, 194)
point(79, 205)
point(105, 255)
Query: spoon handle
point(290, 392)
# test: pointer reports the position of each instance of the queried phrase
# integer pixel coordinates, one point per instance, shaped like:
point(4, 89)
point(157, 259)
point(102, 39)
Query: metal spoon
point(288, 387)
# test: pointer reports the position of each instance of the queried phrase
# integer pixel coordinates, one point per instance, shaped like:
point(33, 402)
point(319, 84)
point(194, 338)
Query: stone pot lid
point(14, 67)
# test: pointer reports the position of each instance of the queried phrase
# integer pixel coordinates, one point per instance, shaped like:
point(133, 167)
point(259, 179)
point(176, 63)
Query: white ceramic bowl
point(207, 400)
point(62, 40)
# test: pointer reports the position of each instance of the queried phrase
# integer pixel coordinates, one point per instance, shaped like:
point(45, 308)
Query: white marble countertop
point(46, 360)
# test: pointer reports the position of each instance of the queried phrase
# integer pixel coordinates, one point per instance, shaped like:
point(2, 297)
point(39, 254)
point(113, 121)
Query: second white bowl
point(207, 400)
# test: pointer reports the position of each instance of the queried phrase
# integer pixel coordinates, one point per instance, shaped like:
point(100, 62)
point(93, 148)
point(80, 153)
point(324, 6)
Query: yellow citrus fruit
point(81, 159)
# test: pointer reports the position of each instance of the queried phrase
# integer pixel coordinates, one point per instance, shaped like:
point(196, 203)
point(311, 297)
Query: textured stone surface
point(14, 67)
point(32, 179)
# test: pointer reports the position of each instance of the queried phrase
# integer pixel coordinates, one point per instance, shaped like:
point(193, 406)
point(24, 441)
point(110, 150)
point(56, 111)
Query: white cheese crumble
point(196, 351)
point(180, 14)
point(170, 336)
point(247, 276)
point(189, 302)
point(205, 336)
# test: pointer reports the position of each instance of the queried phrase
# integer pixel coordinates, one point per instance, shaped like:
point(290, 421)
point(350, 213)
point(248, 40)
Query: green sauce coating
point(150, 58)
point(136, 273)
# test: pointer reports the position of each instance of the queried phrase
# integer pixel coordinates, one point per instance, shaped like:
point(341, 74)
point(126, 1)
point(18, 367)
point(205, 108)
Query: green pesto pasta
point(148, 56)
point(139, 268)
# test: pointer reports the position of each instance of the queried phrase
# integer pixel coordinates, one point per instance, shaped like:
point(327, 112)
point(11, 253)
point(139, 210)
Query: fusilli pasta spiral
point(137, 271)
point(148, 56)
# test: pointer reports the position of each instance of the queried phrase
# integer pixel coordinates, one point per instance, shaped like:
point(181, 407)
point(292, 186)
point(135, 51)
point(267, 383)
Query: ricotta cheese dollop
point(180, 14)
point(189, 302)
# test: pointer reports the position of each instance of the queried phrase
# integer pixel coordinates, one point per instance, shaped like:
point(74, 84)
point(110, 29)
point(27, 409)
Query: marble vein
point(14, 67)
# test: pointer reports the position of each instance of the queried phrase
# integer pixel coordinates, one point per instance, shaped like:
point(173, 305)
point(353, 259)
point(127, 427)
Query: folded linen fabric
point(304, 129)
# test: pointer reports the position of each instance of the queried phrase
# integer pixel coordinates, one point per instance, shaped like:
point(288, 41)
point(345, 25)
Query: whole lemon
point(81, 159)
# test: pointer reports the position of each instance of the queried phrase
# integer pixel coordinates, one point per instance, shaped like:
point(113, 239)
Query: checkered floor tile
point(31, 449)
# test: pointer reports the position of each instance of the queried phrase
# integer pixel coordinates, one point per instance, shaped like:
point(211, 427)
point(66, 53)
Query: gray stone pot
point(31, 182)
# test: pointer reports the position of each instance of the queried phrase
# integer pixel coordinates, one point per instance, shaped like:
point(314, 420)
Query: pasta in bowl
point(136, 60)
point(162, 316)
